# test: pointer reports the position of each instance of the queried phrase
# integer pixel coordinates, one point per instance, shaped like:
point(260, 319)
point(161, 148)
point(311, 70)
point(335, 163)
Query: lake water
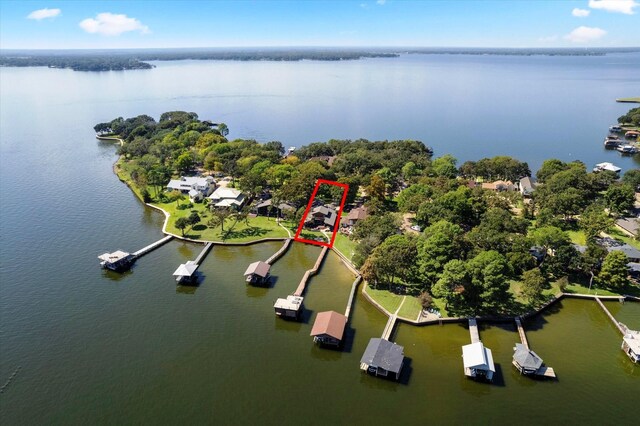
point(95, 347)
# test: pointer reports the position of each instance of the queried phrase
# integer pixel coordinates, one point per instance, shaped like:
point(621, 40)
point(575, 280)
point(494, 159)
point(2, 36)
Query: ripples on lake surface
point(97, 347)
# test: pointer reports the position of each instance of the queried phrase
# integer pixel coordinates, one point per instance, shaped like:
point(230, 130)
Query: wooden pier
point(523, 337)
point(203, 253)
point(354, 286)
point(303, 283)
point(277, 255)
point(621, 328)
point(473, 330)
point(152, 246)
point(539, 369)
point(388, 329)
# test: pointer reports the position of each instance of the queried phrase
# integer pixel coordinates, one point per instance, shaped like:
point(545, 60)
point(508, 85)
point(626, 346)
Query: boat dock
point(120, 260)
point(277, 255)
point(186, 272)
point(152, 246)
point(473, 330)
point(527, 361)
point(352, 295)
point(303, 283)
point(523, 337)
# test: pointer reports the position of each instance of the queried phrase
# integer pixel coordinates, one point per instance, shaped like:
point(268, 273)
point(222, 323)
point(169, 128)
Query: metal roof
point(384, 354)
point(113, 257)
point(478, 357)
point(526, 358)
point(258, 268)
point(186, 269)
point(330, 323)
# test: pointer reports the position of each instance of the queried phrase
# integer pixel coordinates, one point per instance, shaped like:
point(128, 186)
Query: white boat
point(615, 128)
point(627, 149)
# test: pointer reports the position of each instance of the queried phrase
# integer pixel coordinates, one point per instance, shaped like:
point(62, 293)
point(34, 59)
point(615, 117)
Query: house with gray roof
point(632, 253)
point(526, 187)
point(383, 358)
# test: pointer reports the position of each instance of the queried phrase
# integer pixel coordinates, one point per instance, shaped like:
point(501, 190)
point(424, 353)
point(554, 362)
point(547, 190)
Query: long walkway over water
point(473, 330)
point(277, 255)
point(310, 273)
point(152, 246)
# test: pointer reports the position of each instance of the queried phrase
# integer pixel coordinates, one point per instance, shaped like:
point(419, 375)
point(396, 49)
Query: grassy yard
point(385, 298)
point(578, 237)
point(411, 308)
point(619, 235)
point(345, 245)
point(234, 231)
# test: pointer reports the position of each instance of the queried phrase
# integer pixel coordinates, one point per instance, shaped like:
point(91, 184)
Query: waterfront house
point(631, 345)
point(526, 360)
point(265, 208)
point(632, 253)
point(526, 187)
point(629, 225)
point(117, 261)
point(355, 215)
point(224, 197)
point(196, 187)
point(257, 272)
point(321, 216)
point(329, 159)
point(289, 307)
point(328, 328)
point(499, 186)
point(478, 361)
point(383, 358)
point(186, 272)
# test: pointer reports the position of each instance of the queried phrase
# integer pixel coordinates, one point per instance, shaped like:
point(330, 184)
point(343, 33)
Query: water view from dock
point(96, 347)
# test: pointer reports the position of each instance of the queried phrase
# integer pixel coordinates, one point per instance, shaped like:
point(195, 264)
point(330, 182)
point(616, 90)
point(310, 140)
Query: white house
point(227, 197)
point(196, 186)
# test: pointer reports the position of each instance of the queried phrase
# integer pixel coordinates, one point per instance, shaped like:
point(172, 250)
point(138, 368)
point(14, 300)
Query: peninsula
point(429, 237)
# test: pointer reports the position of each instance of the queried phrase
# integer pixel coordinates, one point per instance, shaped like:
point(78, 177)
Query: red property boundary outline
point(345, 190)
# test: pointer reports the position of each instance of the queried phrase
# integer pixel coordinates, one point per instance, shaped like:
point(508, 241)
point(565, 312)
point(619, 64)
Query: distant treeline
point(524, 51)
point(115, 60)
point(126, 60)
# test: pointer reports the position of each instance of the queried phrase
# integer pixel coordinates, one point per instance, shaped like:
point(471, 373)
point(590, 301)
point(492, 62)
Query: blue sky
point(135, 24)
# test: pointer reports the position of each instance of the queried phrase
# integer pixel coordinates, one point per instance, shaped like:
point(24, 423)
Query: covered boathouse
point(478, 361)
point(289, 307)
point(257, 272)
point(526, 360)
point(631, 345)
point(186, 272)
point(117, 261)
point(328, 328)
point(383, 358)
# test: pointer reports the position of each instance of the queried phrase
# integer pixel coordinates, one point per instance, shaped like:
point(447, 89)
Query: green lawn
point(411, 308)
point(385, 298)
point(345, 245)
point(253, 229)
point(578, 237)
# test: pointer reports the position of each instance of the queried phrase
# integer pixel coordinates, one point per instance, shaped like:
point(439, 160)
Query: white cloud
point(580, 13)
point(41, 14)
point(619, 6)
point(110, 24)
point(381, 2)
point(585, 34)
